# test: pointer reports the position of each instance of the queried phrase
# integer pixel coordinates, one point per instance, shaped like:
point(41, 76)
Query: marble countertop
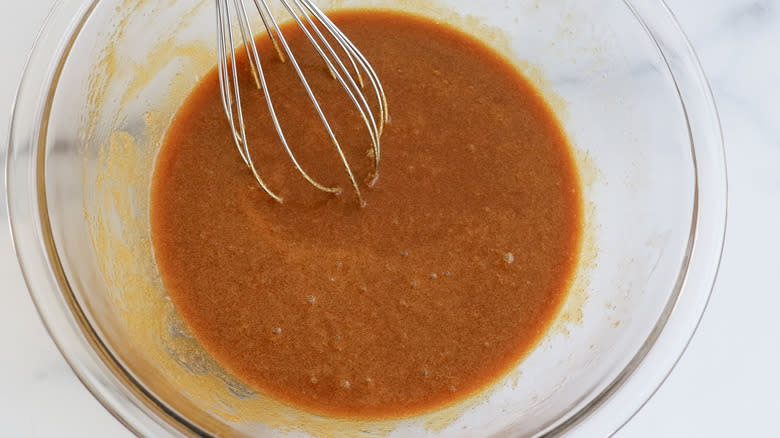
point(726, 385)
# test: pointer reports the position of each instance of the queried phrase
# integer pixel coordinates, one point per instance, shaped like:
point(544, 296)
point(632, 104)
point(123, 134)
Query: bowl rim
point(143, 414)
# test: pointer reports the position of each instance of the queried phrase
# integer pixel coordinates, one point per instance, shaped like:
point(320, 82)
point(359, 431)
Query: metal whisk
point(348, 69)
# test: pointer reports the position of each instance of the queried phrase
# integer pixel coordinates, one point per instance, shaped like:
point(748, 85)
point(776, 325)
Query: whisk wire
point(271, 36)
point(310, 93)
point(309, 18)
point(354, 54)
point(257, 68)
point(352, 50)
point(226, 81)
point(249, 45)
point(348, 84)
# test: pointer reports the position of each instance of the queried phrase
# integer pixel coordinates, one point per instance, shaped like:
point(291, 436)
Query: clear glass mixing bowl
point(104, 80)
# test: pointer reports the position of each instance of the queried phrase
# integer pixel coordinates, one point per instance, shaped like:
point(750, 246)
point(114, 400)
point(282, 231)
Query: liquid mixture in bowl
point(440, 285)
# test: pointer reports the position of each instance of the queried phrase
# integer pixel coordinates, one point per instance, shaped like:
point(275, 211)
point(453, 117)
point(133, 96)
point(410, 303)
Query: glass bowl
point(104, 80)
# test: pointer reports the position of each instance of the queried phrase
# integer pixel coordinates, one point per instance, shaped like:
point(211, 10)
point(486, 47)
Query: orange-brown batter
point(440, 285)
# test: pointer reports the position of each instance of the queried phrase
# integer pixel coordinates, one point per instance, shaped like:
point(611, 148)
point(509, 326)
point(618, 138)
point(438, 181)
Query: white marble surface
point(727, 384)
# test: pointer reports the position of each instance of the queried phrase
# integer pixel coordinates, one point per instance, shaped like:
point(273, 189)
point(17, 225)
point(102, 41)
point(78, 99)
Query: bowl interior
point(131, 64)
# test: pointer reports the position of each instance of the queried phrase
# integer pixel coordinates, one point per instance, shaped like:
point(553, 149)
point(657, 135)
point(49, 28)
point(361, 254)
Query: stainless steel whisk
point(320, 31)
